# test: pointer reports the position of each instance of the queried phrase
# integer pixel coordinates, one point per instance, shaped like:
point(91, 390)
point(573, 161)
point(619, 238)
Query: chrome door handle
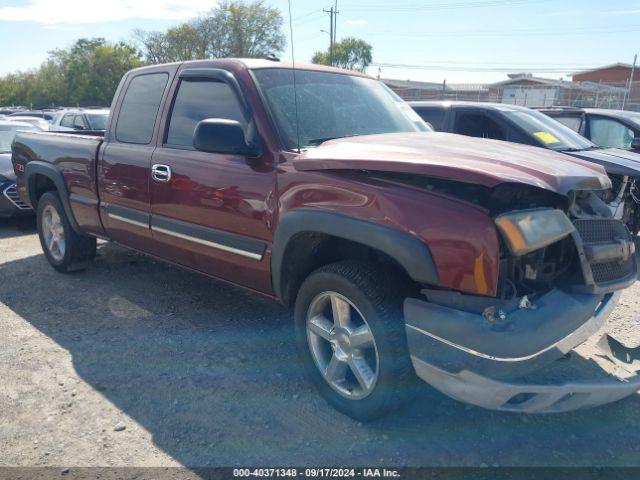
point(161, 173)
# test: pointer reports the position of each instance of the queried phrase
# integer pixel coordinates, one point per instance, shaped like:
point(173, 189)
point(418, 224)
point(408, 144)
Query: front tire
point(351, 338)
point(64, 249)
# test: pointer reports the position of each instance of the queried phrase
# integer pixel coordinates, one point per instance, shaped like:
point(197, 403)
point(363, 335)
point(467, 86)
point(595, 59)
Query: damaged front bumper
point(472, 360)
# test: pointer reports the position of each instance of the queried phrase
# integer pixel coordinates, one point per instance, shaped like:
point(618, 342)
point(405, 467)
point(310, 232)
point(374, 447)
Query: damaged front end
point(564, 260)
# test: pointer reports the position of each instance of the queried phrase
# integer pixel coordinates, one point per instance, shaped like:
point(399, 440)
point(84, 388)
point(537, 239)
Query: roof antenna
point(293, 71)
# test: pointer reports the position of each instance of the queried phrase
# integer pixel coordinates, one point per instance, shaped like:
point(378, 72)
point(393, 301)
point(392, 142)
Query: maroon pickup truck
point(468, 262)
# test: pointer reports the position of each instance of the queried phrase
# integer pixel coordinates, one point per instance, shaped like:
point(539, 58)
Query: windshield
point(97, 121)
point(547, 131)
point(332, 105)
point(7, 133)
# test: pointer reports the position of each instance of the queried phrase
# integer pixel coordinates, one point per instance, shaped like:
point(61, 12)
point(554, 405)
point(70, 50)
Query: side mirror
point(635, 143)
point(218, 135)
point(78, 127)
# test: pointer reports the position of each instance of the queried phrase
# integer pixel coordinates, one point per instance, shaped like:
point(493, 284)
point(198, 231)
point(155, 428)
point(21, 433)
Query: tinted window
point(78, 122)
point(140, 108)
point(97, 121)
point(67, 121)
point(197, 100)
point(478, 125)
point(605, 132)
point(435, 116)
point(571, 121)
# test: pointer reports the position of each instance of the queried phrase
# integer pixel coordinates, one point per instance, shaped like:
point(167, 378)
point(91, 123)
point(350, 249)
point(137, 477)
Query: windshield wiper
point(317, 141)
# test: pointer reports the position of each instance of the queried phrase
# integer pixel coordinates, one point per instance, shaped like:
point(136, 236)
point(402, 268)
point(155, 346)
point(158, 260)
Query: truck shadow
point(211, 372)
point(17, 226)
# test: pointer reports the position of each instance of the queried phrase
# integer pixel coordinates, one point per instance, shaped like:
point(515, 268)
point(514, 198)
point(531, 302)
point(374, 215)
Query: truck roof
point(253, 64)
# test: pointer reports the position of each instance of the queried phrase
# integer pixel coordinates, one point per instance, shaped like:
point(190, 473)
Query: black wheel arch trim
point(36, 167)
point(411, 253)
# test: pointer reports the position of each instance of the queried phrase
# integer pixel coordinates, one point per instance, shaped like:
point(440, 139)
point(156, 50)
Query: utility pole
point(628, 92)
point(333, 14)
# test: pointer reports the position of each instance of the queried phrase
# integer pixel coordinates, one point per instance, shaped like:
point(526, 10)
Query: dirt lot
point(202, 374)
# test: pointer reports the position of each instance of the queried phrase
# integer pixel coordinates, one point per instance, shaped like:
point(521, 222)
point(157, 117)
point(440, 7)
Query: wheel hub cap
point(53, 233)
point(342, 345)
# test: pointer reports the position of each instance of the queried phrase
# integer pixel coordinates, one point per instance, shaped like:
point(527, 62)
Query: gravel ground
point(136, 363)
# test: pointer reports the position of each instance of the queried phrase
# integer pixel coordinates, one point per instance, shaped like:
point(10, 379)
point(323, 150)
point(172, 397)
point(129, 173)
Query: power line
point(507, 33)
point(472, 68)
point(446, 6)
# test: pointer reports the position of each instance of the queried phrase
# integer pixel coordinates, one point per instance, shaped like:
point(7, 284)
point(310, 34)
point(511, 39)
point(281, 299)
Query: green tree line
point(88, 72)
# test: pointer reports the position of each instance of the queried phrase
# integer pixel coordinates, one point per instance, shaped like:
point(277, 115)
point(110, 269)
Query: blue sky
point(462, 41)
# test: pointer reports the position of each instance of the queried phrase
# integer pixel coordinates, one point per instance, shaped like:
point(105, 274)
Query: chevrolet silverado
point(402, 251)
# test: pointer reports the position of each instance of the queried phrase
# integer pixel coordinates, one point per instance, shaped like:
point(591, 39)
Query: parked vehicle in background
point(523, 125)
point(84, 119)
point(44, 114)
point(10, 203)
point(400, 249)
point(40, 123)
point(605, 128)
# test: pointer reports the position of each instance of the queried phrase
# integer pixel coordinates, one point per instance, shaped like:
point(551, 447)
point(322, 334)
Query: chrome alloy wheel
point(53, 232)
point(342, 345)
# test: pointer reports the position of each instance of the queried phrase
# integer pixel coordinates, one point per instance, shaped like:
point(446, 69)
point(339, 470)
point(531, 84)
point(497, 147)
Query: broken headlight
point(530, 230)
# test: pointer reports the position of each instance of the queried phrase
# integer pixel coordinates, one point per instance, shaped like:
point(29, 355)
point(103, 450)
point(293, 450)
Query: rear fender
point(34, 168)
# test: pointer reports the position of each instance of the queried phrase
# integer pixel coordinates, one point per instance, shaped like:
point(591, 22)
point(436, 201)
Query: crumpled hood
point(456, 157)
point(614, 160)
point(6, 167)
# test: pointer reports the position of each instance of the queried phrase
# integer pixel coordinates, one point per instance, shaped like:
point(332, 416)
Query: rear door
point(211, 211)
point(125, 168)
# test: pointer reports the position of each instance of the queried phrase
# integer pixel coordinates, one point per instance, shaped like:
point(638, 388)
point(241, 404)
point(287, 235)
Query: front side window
point(546, 131)
point(572, 121)
point(609, 133)
point(478, 125)
point(332, 105)
point(196, 100)
point(433, 115)
point(139, 109)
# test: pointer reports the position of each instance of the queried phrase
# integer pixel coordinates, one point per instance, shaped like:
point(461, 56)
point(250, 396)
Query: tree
point(350, 53)
point(87, 73)
point(234, 28)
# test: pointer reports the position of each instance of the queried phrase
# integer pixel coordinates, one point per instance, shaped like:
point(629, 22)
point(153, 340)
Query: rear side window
point(140, 108)
point(196, 100)
point(434, 116)
point(67, 121)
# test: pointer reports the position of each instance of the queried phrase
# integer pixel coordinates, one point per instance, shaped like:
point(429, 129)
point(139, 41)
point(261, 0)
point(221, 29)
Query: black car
point(517, 124)
point(605, 128)
point(10, 203)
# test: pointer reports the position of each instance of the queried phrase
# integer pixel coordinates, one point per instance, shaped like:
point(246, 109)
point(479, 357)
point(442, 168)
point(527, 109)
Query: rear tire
point(358, 359)
point(64, 249)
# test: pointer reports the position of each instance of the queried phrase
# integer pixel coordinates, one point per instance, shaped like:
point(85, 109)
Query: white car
point(80, 119)
point(41, 123)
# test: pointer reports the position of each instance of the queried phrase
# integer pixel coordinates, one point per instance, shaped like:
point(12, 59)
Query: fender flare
point(36, 167)
point(411, 253)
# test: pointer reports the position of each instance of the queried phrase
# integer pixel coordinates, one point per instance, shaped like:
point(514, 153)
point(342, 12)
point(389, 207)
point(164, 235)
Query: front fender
point(410, 253)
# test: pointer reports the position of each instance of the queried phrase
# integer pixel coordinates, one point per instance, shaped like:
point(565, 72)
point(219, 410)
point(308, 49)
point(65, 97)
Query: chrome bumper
point(517, 395)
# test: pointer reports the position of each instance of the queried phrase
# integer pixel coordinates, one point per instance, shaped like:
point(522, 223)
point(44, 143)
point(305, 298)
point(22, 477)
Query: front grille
point(12, 194)
point(604, 231)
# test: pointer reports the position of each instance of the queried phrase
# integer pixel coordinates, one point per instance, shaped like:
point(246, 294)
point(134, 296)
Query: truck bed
point(74, 156)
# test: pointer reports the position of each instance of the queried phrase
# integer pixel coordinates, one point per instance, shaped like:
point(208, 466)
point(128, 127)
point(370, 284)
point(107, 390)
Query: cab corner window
point(196, 100)
point(139, 109)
